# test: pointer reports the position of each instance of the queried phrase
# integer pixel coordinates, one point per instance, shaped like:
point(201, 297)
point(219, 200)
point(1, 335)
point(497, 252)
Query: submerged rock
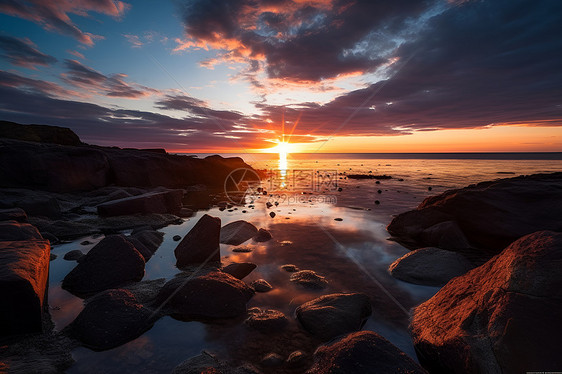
point(74, 255)
point(266, 320)
point(201, 244)
point(213, 295)
point(24, 274)
point(308, 279)
point(331, 315)
point(261, 285)
point(112, 263)
point(499, 317)
point(239, 270)
point(237, 232)
point(290, 268)
point(363, 352)
point(110, 319)
point(262, 236)
point(430, 266)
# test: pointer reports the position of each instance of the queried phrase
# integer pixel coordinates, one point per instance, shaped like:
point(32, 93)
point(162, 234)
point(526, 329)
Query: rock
point(243, 249)
point(272, 360)
point(14, 231)
point(262, 236)
point(201, 244)
point(490, 214)
point(154, 202)
point(445, 235)
point(377, 202)
point(146, 242)
point(13, 214)
point(272, 214)
point(24, 274)
point(39, 133)
point(261, 285)
point(53, 257)
point(338, 219)
point(309, 279)
point(331, 315)
point(203, 363)
point(296, 359)
point(430, 266)
point(41, 207)
point(214, 295)
point(112, 263)
point(237, 232)
point(186, 212)
point(362, 352)
point(110, 319)
point(501, 317)
point(266, 320)
point(74, 255)
point(290, 268)
point(239, 270)
point(268, 205)
point(176, 238)
point(50, 237)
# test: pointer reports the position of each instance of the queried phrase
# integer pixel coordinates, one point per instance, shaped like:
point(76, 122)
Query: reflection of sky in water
point(353, 254)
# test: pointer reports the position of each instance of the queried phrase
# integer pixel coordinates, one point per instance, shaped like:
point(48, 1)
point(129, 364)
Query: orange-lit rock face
point(503, 316)
point(24, 271)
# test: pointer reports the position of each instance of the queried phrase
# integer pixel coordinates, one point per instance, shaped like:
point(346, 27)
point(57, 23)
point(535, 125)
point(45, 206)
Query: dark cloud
point(196, 107)
point(53, 15)
point(23, 53)
point(35, 85)
point(87, 78)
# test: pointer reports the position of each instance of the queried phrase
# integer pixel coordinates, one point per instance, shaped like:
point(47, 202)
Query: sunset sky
point(339, 75)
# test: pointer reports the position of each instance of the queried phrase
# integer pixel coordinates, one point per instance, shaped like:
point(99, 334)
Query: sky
point(326, 75)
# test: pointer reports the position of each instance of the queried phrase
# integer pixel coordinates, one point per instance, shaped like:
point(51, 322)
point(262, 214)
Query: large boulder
point(146, 242)
point(430, 266)
point(237, 232)
point(331, 315)
point(239, 269)
point(13, 214)
point(24, 274)
point(12, 231)
point(112, 263)
point(201, 244)
point(39, 133)
point(214, 295)
point(363, 352)
point(110, 319)
point(154, 202)
point(490, 215)
point(502, 317)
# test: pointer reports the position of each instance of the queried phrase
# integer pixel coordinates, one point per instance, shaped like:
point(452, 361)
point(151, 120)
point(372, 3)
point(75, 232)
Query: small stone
point(379, 191)
point(53, 257)
point(429, 188)
point(340, 189)
point(176, 238)
point(86, 242)
point(309, 279)
point(263, 236)
point(243, 249)
point(377, 202)
point(290, 268)
point(74, 255)
point(272, 360)
point(261, 285)
point(296, 358)
point(272, 214)
point(338, 219)
point(266, 320)
point(378, 182)
point(268, 205)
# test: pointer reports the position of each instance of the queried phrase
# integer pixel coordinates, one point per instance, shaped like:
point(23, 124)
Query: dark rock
point(331, 315)
point(368, 176)
point(377, 202)
point(272, 360)
point(154, 202)
point(203, 363)
point(239, 270)
point(13, 214)
point(13, 231)
point(261, 285)
point(53, 257)
point(237, 232)
point(430, 266)
point(201, 244)
point(146, 242)
point(86, 242)
point(268, 205)
point(363, 352)
point(290, 268)
point(338, 219)
point(112, 263)
point(501, 317)
point(429, 188)
point(39, 133)
point(243, 249)
point(266, 320)
point(214, 295)
point(296, 359)
point(176, 238)
point(263, 236)
point(110, 319)
point(186, 212)
point(74, 255)
point(308, 279)
point(272, 214)
point(41, 207)
point(445, 235)
point(50, 237)
point(24, 274)
point(490, 214)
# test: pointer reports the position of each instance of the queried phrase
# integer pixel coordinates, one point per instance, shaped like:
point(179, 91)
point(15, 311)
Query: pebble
point(272, 214)
point(176, 238)
point(338, 219)
point(377, 202)
point(290, 268)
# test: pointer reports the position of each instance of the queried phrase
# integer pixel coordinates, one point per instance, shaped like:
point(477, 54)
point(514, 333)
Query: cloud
point(34, 85)
point(95, 82)
point(22, 52)
point(76, 54)
point(53, 15)
point(196, 107)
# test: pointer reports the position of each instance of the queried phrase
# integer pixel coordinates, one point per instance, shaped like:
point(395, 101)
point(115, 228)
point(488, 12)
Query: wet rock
point(110, 319)
point(13, 214)
point(272, 360)
point(331, 315)
point(338, 219)
point(237, 232)
point(268, 205)
point(74, 255)
point(14, 231)
point(430, 266)
point(154, 202)
point(309, 279)
point(261, 285)
point(272, 214)
point(201, 244)
point(362, 352)
point(498, 317)
point(41, 206)
point(262, 236)
point(243, 249)
point(176, 238)
point(202, 363)
point(266, 320)
point(377, 202)
point(186, 212)
point(490, 214)
point(290, 268)
point(50, 237)
point(112, 263)
point(445, 235)
point(53, 257)
point(146, 242)
point(296, 359)
point(214, 295)
point(239, 270)
point(24, 273)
